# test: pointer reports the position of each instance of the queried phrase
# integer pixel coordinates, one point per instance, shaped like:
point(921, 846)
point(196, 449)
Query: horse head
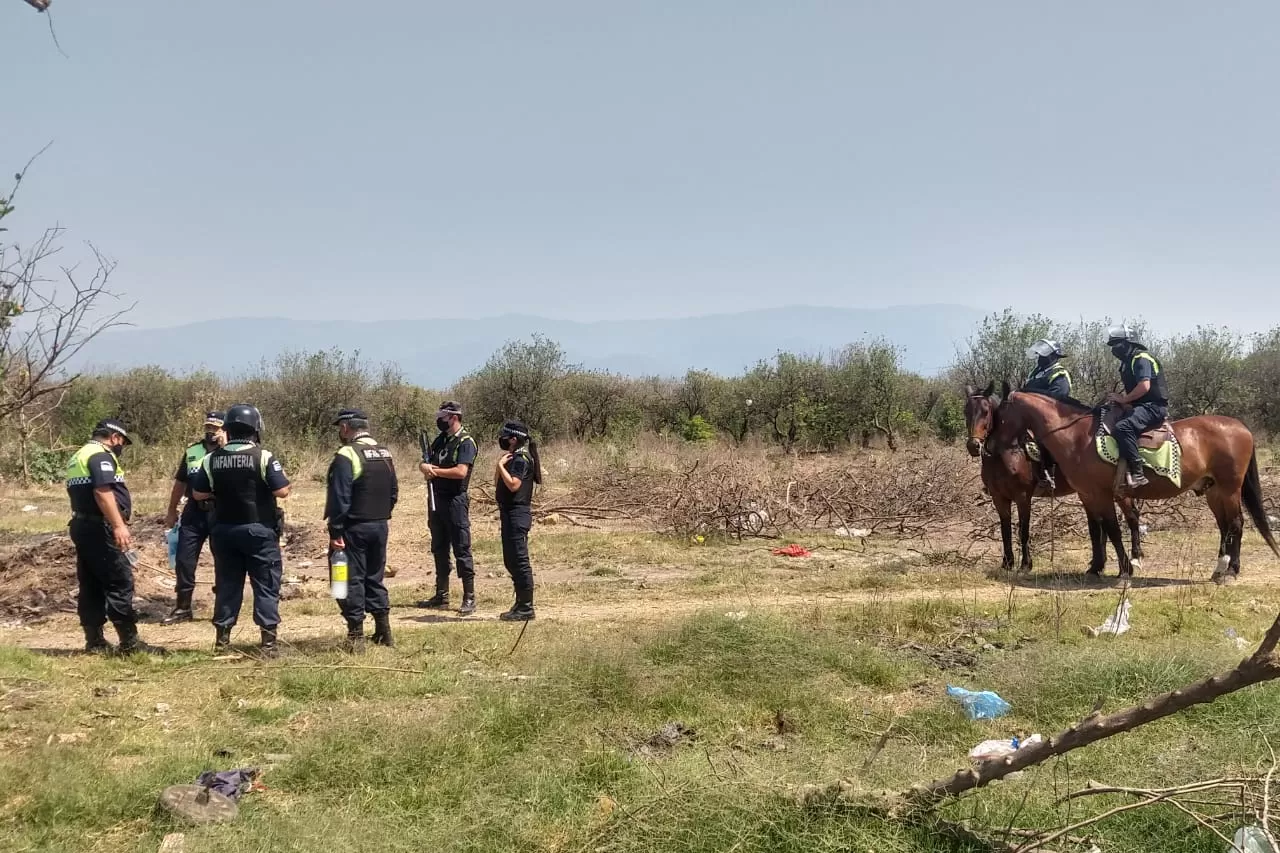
point(980, 418)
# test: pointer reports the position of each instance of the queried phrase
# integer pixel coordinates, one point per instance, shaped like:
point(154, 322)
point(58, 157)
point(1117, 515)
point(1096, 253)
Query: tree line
point(858, 396)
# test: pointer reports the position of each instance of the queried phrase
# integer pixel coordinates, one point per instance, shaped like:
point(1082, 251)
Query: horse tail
point(1251, 493)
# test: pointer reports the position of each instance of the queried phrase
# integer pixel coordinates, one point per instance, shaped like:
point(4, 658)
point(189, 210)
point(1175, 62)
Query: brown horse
point(1010, 477)
point(1218, 461)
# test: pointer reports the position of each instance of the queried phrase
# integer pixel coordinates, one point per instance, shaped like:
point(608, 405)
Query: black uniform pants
point(104, 574)
point(516, 522)
point(193, 529)
point(240, 551)
point(450, 526)
point(366, 549)
point(1141, 418)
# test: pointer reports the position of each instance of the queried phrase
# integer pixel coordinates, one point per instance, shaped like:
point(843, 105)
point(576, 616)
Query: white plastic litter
point(1236, 640)
point(1117, 623)
point(854, 533)
point(1250, 839)
point(30, 508)
point(990, 749)
point(1142, 529)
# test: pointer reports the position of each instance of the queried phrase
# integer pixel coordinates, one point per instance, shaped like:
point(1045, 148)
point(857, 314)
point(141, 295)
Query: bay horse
point(1010, 477)
point(1218, 462)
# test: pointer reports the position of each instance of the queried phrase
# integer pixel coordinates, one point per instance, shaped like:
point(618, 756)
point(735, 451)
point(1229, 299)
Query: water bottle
point(132, 556)
point(171, 539)
point(338, 574)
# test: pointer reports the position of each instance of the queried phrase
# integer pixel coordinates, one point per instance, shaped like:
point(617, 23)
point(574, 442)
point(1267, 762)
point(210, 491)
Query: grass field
point(780, 672)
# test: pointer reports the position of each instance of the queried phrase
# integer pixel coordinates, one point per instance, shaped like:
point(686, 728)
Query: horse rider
point(1146, 396)
point(1050, 378)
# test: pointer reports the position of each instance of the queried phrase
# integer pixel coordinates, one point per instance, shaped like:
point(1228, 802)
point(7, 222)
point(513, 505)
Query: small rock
point(241, 704)
point(104, 692)
point(30, 508)
point(73, 737)
point(162, 707)
point(174, 842)
point(306, 564)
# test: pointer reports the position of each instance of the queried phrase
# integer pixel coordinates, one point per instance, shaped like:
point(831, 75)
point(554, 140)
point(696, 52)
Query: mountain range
point(434, 353)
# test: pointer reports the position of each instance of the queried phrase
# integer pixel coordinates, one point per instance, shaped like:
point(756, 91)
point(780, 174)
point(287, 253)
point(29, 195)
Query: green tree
point(1205, 372)
point(998, 350)
point(521, 380)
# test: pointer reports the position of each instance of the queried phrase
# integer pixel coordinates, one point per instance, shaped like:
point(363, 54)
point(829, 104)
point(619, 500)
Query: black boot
point(522, 610)
point(1137, 478)
point(181, 611)
point(269, 647)
point(222, 639)
point(95, 642)
point(355, 636)
point(130, 642)
point(468, 604)
point(382, 630)
point(438, 601)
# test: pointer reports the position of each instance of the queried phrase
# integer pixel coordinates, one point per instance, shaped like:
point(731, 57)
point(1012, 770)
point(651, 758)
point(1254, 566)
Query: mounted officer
point(1050, 378)
point(1146, 396)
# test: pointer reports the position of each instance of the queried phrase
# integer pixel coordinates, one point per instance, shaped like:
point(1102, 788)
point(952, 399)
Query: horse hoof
point(1093, 577)
point(1223, 578)
point(1137, 565)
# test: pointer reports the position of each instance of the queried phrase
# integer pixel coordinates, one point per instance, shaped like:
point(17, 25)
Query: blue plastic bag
point(171, 537)
point(981, 705)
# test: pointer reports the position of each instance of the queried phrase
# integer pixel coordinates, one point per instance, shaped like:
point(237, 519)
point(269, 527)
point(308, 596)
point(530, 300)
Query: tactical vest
point(372, 474)
point(522, 496)
point(238, 479)
point(446, 456)
point(1159, 392)
point(80, 483)
point(1042, 380)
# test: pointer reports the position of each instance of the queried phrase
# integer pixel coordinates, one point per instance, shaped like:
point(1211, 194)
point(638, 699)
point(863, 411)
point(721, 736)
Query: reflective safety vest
point(1159, 392)
point(371, 479)
point(238, 479)
point(78, 466)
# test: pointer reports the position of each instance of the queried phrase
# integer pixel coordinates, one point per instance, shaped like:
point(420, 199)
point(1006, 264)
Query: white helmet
point(1045, 348)
point(1116, 334)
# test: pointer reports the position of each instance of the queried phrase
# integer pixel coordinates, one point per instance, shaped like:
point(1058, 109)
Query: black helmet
point(245, 415)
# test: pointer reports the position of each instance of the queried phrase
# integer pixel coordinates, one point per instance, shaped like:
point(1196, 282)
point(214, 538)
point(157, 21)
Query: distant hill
point(435, 357)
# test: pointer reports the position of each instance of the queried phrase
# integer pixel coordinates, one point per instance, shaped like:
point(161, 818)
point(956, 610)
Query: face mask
point(119, 449)
point(442, 424)
point(507, 443)
point(210, 438)
point(1119, 350)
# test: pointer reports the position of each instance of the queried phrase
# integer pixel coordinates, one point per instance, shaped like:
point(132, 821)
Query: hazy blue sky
point(589, 160)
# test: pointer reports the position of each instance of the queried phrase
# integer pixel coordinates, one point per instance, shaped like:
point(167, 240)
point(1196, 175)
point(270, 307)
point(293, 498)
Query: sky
point(586, 160)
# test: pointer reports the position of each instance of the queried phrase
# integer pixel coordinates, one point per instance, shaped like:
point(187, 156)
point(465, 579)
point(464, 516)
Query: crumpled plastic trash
point(1117, 623)
point(852, 532)
point(1251, 839)
point(1236, 640)
point(990, 749)
point(980, 705)
point(791, 551)
point(230, 783)
point(171, 542)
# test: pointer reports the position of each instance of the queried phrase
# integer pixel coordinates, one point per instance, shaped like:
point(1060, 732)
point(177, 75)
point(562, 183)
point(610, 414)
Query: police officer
point(1146, 395)
point(100, 511)
point(447, 470)
point(1050, 378)
point(515, 474)
point(197, 520)
point(362, 493)
point(244, 480)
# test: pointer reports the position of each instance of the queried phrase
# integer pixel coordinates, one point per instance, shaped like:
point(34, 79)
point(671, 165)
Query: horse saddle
point(1152, 439)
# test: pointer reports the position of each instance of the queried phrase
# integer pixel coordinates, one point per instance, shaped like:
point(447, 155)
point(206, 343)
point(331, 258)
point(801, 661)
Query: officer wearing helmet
point(197, 516)
point(244, 480)
point(514, 476)
point(362, 492)
point(447, 468)
point(99, 528)
point(1050, 378)
point(1146, 396)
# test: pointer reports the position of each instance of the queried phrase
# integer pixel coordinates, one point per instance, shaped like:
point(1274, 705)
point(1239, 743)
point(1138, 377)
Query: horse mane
point(1069, 402)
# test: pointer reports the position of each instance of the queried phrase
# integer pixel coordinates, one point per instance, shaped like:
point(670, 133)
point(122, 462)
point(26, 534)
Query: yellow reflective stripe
point(78, 465)
point(357, 467)
point(1155, 365)
point(208, 472)
point(263, 461)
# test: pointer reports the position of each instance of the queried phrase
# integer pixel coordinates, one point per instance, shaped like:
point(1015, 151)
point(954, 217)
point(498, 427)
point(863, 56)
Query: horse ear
point(1005, 390)
point(991, 389)
point(970, 391)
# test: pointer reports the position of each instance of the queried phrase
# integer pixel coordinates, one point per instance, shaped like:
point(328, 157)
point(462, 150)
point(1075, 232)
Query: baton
point(426, 457)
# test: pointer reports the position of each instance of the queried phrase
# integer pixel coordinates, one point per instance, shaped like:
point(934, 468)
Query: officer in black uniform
point(197, 520)
point(1146, 395)
point(514, 477)
point(448, 473)
point(362, 493)
point(99, 528)
point(1050, 378)
point(244, 480)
